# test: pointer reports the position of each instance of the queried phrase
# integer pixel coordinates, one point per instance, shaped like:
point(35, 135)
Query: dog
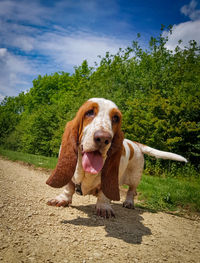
point(95, 156)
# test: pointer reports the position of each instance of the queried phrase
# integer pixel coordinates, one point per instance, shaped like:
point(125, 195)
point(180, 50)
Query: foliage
point(157, 90)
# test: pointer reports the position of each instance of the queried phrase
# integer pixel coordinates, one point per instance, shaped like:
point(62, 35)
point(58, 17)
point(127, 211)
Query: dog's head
point(96, 132)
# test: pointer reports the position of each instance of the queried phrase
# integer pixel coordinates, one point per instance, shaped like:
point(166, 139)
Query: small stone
point(51, 214)
point(32, 259)
point(97, 255)
point(29, 215)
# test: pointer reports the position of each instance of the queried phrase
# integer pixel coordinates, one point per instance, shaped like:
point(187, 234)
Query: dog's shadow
point(127, 225)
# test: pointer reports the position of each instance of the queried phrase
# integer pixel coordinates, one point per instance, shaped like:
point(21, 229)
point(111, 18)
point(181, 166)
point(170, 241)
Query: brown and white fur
point(97, 128)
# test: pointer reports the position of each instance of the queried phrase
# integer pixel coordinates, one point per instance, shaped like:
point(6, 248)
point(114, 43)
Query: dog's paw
point(59, 201)
point(128, 204)
point(104, 210)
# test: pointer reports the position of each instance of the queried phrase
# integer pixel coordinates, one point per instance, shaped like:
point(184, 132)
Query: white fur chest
point(90, 182)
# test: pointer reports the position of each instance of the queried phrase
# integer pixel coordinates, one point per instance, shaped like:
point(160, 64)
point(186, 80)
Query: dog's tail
point(161, 154)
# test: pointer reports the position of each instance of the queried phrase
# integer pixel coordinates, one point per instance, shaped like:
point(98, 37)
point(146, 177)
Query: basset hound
point(95, 155)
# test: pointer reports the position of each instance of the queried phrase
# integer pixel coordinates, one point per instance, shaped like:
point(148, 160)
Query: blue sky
point(43, 37)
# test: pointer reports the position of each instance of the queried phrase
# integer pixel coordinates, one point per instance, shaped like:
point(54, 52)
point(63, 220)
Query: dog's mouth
point(92, 162)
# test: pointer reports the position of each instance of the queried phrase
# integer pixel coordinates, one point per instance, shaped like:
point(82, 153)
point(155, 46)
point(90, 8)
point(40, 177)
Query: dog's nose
point(102, 137)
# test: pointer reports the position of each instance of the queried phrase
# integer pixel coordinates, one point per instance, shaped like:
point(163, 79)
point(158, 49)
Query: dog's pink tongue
point(92, 162)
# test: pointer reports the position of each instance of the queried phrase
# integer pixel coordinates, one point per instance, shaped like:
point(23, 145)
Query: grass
point(155, 193)
point(36, 160)
point(169, 194)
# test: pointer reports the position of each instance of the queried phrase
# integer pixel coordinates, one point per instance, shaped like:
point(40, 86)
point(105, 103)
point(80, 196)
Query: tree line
point(157, 90)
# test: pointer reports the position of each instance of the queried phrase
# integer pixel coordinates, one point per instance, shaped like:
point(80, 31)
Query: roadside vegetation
point(32, 159)
point(169, 194)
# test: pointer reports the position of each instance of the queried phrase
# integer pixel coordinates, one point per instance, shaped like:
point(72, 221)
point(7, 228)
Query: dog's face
point(102, 120)
point(96, 132)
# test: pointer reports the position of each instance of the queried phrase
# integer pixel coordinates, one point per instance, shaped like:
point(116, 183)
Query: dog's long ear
point(67, 158)
point(110, 171)
point(69, 148)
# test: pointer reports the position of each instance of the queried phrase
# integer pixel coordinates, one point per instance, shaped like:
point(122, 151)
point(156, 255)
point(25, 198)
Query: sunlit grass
point(169, 193)
point(37, 160)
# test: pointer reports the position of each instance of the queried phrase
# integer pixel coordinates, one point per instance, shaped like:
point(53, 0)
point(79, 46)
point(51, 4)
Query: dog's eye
point(90, 113)
point(115, 119)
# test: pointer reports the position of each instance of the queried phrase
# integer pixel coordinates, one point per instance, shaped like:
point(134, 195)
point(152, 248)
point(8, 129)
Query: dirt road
point(31, 231)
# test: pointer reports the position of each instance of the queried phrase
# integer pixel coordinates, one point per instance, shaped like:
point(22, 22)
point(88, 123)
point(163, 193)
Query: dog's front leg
point(129, 202)
point(103, 206)
point(64, 199)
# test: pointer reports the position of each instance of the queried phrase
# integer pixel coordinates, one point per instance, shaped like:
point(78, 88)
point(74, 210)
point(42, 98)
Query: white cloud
point(186, 31)
point(30, 46)
point(13, 74)
point(191, 11)
point(22, 10)
point(69, 50)
point(3, 52)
